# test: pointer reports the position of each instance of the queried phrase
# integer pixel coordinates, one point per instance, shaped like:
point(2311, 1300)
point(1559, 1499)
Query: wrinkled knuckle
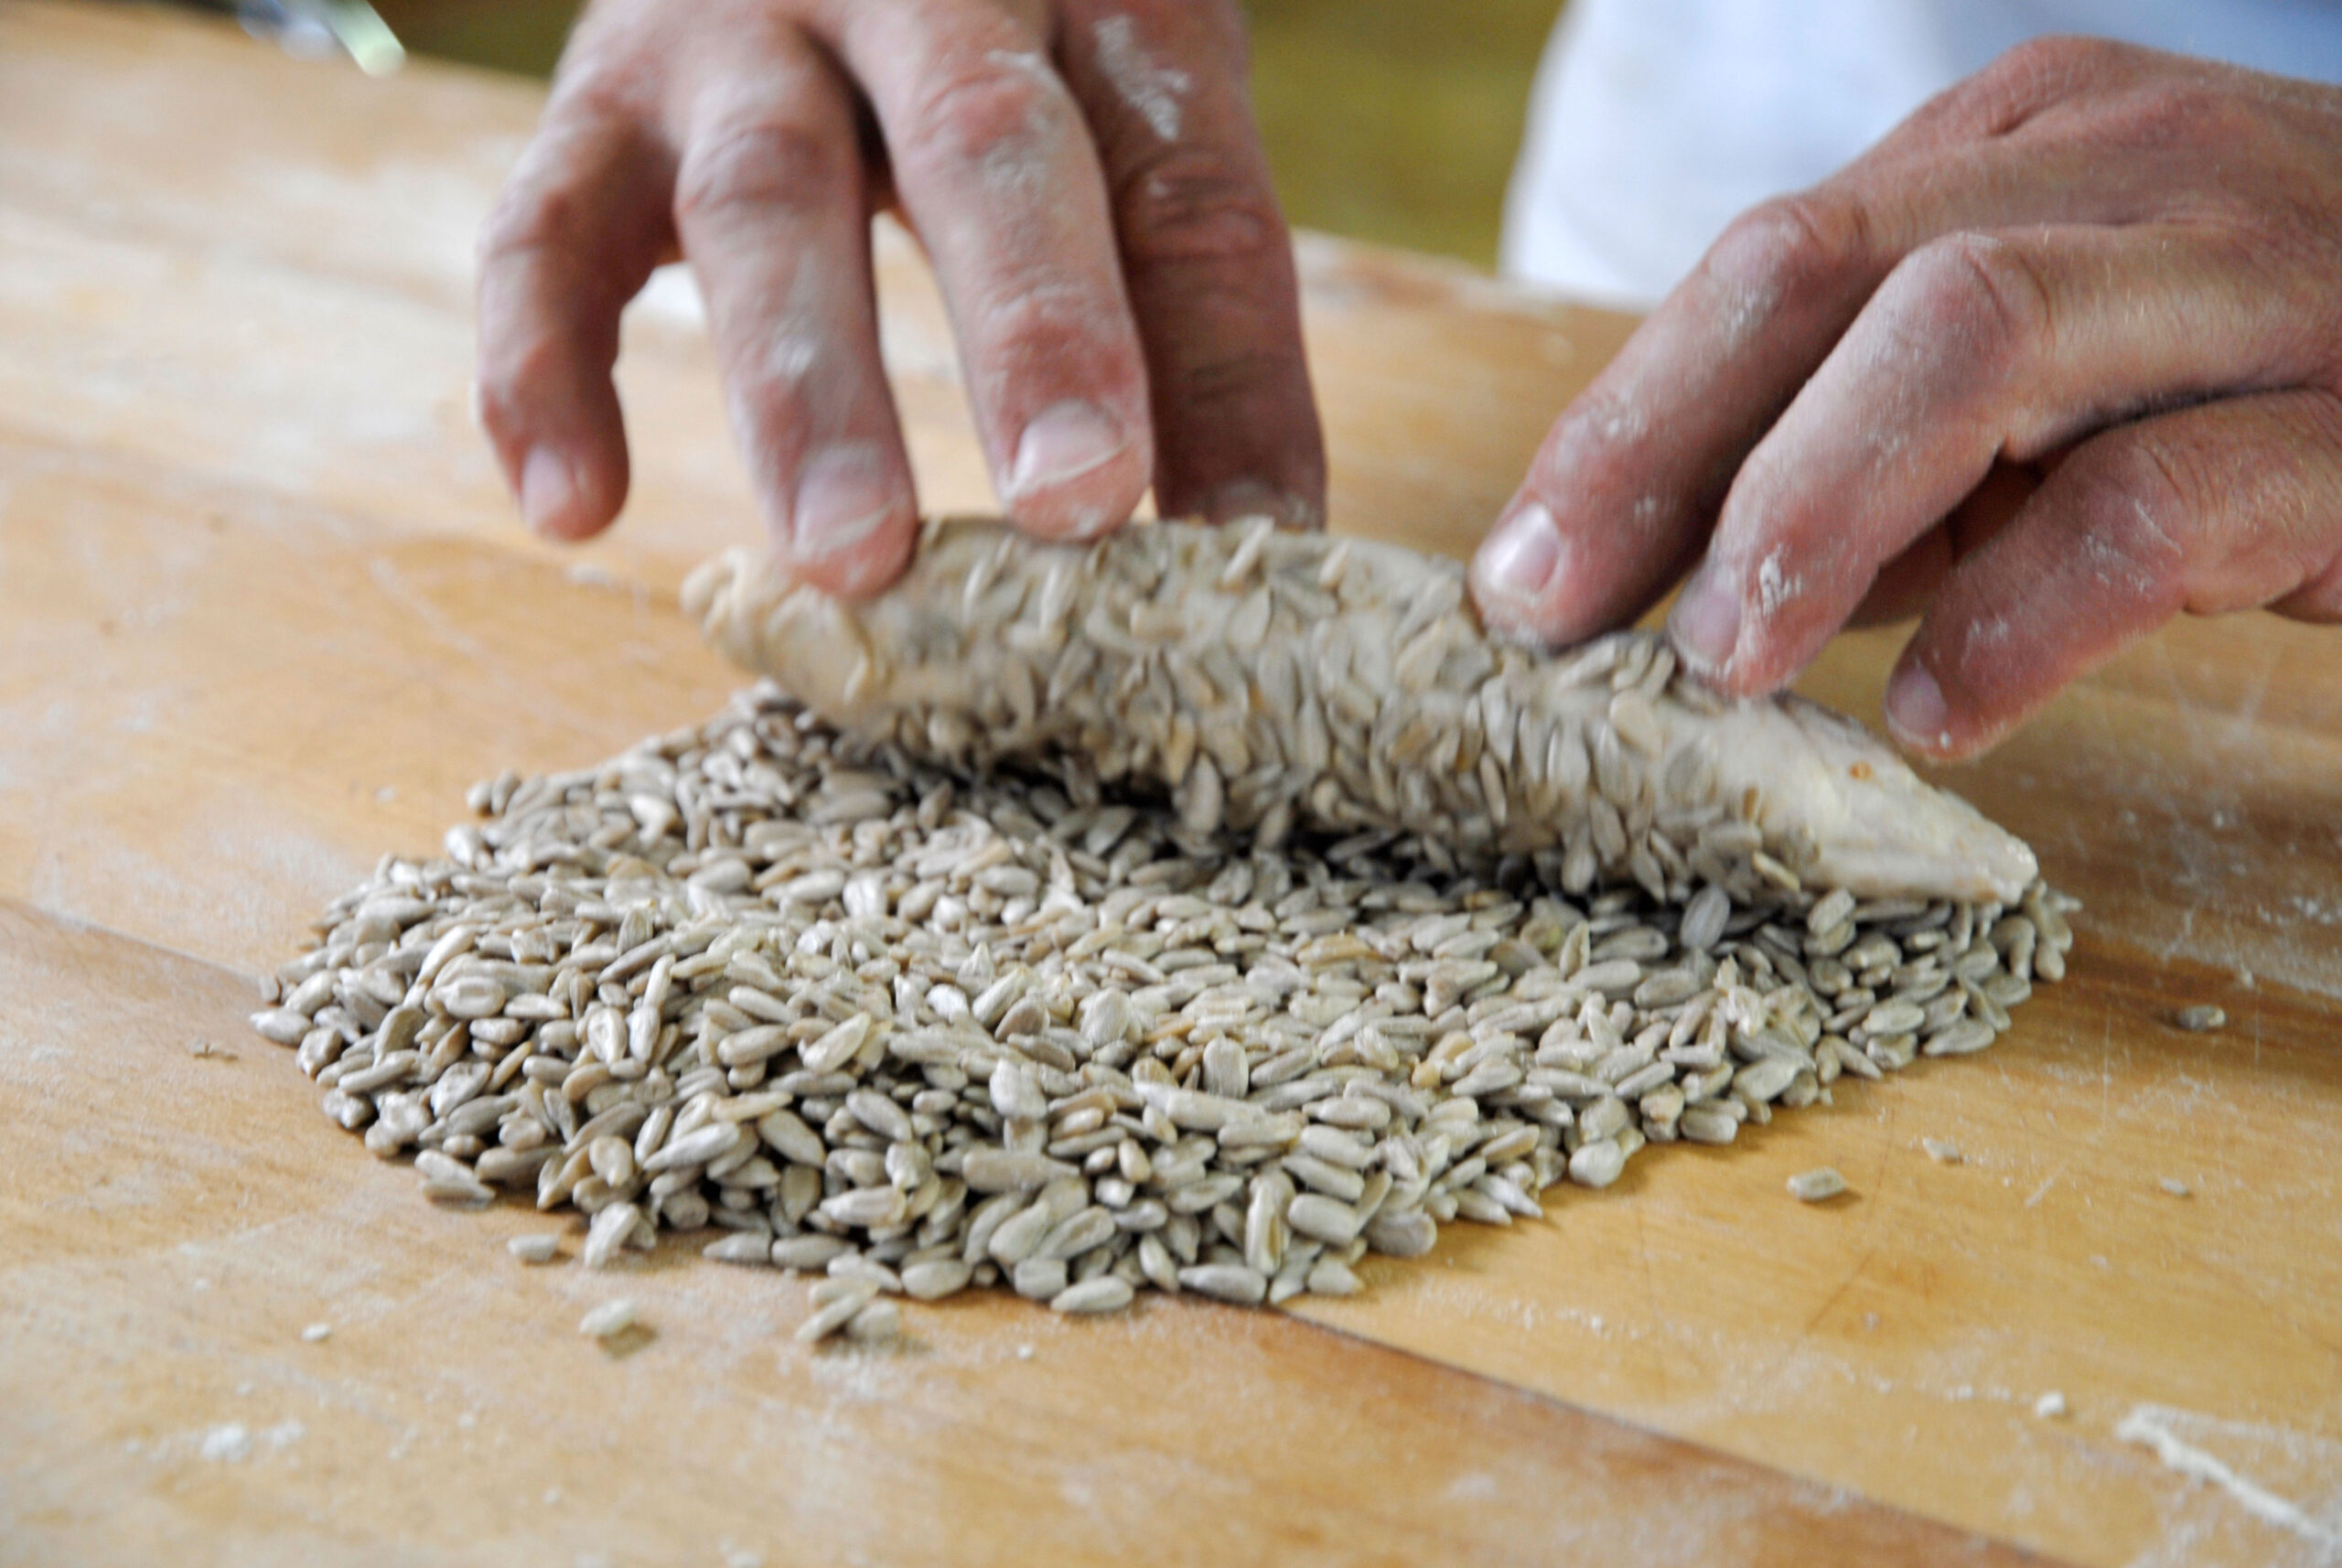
point(2142, 497)
point(601, 88)
point(1791, 244)
point(2183, 114)
point(533, 215)
point(766, 164)
point(1193, 203)
point(2045, 68)
point(1978, 300)
point(2053, 56)
point(1229, 378)
point(562, 186)
point(977, 113)
point(1038, 317)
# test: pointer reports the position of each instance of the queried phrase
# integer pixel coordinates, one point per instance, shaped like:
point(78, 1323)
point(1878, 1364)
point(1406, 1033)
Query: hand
point(2060, 358)
point(1086, 179)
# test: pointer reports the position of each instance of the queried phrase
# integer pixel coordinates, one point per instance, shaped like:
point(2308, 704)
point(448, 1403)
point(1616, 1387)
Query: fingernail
point(1065, 441)
point(1915, 710)
point(1520, 559)
point(1706, 626)
point(548, 492)
point(843, 496)
point(1242, 498)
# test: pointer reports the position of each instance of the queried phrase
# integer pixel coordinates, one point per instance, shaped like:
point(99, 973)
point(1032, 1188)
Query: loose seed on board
point(878, 1322)
point(837, 1311)
point(2201, 1018)
point(608, 1320)
point(1943, 1150)
point(1816, 1186)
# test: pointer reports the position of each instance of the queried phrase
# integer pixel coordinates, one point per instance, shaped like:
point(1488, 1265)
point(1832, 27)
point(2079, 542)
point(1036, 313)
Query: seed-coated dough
point(1272, 680)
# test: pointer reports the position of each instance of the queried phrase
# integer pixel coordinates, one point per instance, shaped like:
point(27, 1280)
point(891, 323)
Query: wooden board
point(264, 614)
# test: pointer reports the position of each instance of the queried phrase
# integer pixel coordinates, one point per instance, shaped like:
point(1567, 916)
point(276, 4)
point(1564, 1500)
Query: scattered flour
point(2150, 1426)
point(228, 1443)
point(233, 1443)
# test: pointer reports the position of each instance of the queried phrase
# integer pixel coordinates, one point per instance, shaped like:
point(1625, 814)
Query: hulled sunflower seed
point(1816, 1185)
point(1227, 1282)
point(836, 1310)
point(1107, 1292)
point(608, 1320)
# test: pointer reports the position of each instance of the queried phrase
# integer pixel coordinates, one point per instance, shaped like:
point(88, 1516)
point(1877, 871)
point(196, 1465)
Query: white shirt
point(1654, 122)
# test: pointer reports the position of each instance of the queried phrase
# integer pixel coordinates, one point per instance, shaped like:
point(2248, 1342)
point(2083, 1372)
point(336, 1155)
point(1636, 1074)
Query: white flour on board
point(2151, 1427)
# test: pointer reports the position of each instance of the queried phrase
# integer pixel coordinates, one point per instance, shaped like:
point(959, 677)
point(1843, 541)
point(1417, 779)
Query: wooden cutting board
point(265, 613)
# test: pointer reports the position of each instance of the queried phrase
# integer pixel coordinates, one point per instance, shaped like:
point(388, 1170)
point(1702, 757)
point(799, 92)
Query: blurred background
point(1387, 120)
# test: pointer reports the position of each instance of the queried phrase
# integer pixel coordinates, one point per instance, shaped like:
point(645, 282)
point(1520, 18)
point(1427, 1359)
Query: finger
point(773, 211)
point(2215, 507)
point(995, 170)
point(1978, 348)
point(1622, 493)
point(1206, 257)
point(579, 226)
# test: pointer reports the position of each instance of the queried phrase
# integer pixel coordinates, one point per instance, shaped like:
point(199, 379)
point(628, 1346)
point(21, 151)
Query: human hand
point(2057, 359)
point(1085, 177)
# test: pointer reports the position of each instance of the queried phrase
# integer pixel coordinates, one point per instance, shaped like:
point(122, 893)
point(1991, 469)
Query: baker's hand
point(1085, 177)
point(2060, 358)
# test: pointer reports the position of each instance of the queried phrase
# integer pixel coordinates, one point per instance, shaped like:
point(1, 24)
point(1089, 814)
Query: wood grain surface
point(265, 614)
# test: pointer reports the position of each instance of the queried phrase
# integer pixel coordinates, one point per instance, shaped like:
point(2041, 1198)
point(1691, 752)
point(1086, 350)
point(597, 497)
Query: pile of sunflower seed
point(916, 1033)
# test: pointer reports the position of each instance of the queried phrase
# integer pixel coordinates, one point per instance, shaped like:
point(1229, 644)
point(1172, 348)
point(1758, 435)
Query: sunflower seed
point(608, 1320)
point(837, 1310)
point(1816, 1185)
point(1107, 1292)
point(537, 1247)
point(876, 1324)
point(1597, 1164)
point(809, 1252)
point(1962, 1038)
point(1227, 1282)
point(935, 1279)
point(742, 1247)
